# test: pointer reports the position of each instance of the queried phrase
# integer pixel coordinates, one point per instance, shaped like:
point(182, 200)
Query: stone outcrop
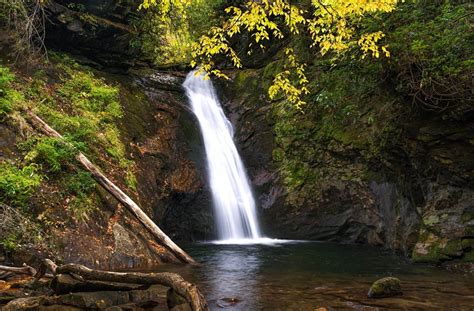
point(413, 195)
point(98, 31)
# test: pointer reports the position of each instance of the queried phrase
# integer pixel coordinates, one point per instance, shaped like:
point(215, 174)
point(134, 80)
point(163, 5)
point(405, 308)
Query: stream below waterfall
point(245, 271)
point(308, 275)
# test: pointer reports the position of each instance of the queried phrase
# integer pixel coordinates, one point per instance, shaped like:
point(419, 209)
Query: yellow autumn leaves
point(331, 24)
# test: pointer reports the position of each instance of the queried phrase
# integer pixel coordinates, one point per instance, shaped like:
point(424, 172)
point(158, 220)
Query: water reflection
point(233, 272)
point(305, 276)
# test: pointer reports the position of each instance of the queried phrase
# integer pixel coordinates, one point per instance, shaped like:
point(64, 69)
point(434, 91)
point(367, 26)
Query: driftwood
point(65, 283)
point(7, 271)
point(5, 275)
point(187, 290)
point(133, 207)
point(19, 270)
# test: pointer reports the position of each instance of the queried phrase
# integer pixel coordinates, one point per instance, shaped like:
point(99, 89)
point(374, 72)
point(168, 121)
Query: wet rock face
point(398, 217)
point(341, 211)
point(448, 226)
point(244, 103)
point(413, 195)
point(98, 30)
point(170, 156)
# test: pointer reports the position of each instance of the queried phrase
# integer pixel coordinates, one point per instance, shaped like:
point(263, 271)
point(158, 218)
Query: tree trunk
point(133, 207)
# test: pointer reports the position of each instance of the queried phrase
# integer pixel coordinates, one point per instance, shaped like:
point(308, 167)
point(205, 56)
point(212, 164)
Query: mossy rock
point(385, 287)
point(176, 302)
point(433, 249)
point(467, 215)
point(468, 256)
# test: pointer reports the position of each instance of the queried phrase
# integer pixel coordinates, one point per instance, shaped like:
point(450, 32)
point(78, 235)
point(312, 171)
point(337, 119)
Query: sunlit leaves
point(291, 82)
point(331, 24)
point(368, 44)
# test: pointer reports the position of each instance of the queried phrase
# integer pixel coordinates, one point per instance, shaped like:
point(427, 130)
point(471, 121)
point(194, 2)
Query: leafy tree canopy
point(331, 25)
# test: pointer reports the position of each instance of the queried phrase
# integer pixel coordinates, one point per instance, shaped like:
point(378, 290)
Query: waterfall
point(234, 204)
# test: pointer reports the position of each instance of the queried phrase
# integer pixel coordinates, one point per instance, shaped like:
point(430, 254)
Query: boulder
point(385, 287)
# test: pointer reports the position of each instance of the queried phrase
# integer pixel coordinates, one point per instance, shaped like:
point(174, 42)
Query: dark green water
point(308, 275)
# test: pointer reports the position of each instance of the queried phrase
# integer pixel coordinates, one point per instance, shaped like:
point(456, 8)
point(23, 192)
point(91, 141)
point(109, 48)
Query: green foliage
point(432, 43)
point(6, 77)
point(81, 183)
point(89, 94)
point(332, 26)
point(78, 187)
point(54, 153)
point(84, 109)
point(10, 242)
point(18, 184)
point(355, 102)
point(168, 31)
point(9, 97)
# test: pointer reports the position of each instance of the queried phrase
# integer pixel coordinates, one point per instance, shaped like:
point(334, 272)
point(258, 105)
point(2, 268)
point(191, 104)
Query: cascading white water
point(234, 204)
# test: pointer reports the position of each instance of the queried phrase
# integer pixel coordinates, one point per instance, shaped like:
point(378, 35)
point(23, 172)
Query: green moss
point(467, 243)
point(355, 108)
point(269, 73)
point(131, 180)
point(432, 249)
point(452, 248)
point(17, 184)
point(9, 97)
point(468, 256)
point(83, 206)
point(52, 153)
point(385, 287)
point(84, 109)
point(247, 81)
point(467, 215)
point(81, 182)
point(10, 242)
point(431, 220)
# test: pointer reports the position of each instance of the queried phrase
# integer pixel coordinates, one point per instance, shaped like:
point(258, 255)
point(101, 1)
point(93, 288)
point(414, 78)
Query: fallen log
point(19, 270)
point(65, 283)
point(133, 207)
point(187, 290)
point(5, 275)
point(25, 270)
